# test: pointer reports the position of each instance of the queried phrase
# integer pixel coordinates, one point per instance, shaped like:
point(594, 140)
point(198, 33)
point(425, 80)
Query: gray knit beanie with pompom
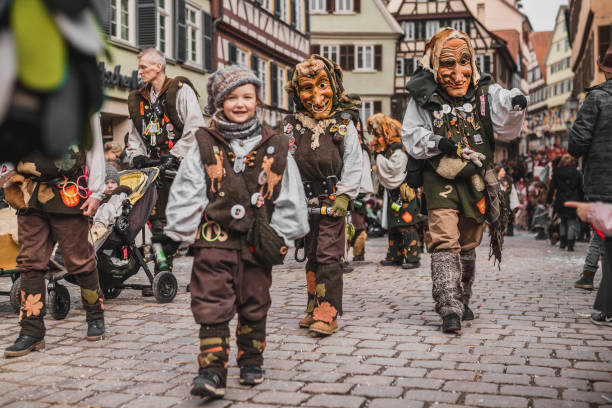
point(224, 81)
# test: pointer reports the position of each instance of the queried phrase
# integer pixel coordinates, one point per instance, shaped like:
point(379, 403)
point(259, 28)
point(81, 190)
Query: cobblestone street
point(532, 344)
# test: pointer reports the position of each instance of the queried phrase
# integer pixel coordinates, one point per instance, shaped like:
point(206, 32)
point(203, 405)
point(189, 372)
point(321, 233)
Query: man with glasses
point(165, 114)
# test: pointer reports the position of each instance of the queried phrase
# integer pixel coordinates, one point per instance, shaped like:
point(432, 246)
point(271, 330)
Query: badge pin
point(238, 212)
point(478, 139)
point(334, 128)
point(446, 109)
point(438, 123)
point(288, 128)
point(169, 127)
point(298, 126)
point(292, 148)
point(438, 114)
point(270, 150)
point(467, 107)
point(291, 141)
point(263, 177)
point(216, 149)
point(257, 200)
point(239, 164)
point(343, 130)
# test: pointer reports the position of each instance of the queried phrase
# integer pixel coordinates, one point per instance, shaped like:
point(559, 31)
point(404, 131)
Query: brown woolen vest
point(225, 188)
point(325, 160)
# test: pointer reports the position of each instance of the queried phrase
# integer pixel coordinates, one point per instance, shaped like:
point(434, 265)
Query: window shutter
point(207, 41)
point(273, 84)
point(377, 106)
point(487, 64)
point(350, 57)
point(102, 10)
point(307, 12)
point(357, 6)
point(289, 76)
point(467, 26)
point(255, 63)
point(331, 6)
point(146, 23)
point(344, 57)
point(180, 31)
point(604, 34)
point(378, 57)
point(315, 49)
point(277, 11)
point(409, 66)
point(293, 14)
point(232, 54)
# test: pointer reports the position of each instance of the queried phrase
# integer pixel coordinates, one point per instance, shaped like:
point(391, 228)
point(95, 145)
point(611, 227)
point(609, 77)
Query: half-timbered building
point(267, 36)
point(421, 20)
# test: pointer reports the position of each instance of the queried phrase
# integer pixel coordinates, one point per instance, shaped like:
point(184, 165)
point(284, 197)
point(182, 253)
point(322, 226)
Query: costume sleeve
point(367, 185)
point(507, 122)
point(95, 160)
point(187, 199)
point(392, 171)
point(136, 146)
point(600, 215)
point(417, 133)
point(191, 115)
point(352, 162)
point(290, 216)
point(581, 133)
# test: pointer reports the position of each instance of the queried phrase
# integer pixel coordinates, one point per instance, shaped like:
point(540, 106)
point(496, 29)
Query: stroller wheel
point(59, 302)
point(111, 293)
point(14, 295)
point(165, 287)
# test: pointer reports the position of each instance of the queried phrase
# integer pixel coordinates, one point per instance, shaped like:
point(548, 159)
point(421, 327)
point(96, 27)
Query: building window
point(262, 73)
point(399, 67)
point(344, 6)
point(558, 46)
point(194, 38)
point(265, 4)
point(331, 52)
point(242, 58)
point(458, 25)
point(365, 57)
point(120, 19)
point(281, 7)
point(317, 6)
point(298, 15)
point(164, 22)
point(366, 110)
point(280, 78)
point(408, 27)
point(432, 28)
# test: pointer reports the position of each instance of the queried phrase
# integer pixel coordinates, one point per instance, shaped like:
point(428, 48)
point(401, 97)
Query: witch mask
point(386, 131)
point(449, 55)
point(315, 89)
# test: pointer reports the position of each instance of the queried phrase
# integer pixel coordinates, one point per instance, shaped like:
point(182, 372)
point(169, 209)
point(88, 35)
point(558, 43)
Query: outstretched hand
point(90, 206)
point(582, 209)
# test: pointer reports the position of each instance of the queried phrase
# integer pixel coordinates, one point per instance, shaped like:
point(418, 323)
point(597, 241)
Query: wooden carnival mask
point(385, 130)
point(455, 67)
point(316, 94)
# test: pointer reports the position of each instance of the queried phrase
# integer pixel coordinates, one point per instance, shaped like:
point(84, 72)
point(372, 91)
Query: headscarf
point(342, 101)
point(433, 48)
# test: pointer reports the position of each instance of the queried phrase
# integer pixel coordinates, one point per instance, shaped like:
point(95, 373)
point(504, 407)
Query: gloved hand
point(139, 161)
point(340, 206)
point(473, 156)
point(447, 146)
point(168, 244)
point(169, 161)
point(519, 102)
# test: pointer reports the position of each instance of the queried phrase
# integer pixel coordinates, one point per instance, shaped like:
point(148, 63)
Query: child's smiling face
point(240, 104)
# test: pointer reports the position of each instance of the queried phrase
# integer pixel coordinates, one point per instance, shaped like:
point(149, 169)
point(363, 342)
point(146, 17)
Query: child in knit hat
point(238, 181)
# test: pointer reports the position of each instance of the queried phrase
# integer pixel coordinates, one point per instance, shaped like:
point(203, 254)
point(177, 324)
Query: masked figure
point(401, 203)
point(450, 123)
point(325, 145)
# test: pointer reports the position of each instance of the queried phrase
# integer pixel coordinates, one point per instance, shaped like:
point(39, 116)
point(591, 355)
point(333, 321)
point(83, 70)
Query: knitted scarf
point(231, 130)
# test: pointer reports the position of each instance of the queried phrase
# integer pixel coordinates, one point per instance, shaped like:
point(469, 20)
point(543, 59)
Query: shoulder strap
point(136, 114)
point(206, 138)
point(482, 98)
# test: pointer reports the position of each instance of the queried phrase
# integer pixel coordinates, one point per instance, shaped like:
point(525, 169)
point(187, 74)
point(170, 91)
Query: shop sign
point(115, 79)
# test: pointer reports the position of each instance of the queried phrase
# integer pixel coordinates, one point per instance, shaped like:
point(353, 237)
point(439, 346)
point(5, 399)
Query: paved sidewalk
point(531, 344)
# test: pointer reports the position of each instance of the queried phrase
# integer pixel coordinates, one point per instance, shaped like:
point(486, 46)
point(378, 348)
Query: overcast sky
point(542, 13)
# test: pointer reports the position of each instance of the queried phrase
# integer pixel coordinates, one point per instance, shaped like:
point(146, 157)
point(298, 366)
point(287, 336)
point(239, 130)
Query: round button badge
point(238, 212)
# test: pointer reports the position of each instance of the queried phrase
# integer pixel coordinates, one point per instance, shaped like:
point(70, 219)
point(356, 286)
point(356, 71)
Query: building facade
point(268, 36)
point(538, 133)
point(420, 20)
point(360, 36)
point(181, 29)
point(590, 34)
point(559, 82)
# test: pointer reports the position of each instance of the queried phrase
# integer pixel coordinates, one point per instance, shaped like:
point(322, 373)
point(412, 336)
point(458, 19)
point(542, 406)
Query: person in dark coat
point(566, 185)
point(591, 139)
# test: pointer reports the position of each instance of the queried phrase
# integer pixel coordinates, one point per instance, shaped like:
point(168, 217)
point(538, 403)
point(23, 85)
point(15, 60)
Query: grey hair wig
point(154, 56)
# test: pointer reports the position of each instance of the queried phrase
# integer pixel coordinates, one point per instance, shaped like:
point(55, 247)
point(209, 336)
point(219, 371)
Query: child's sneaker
point(208, 384)
point(251, 375)
point(602, 319)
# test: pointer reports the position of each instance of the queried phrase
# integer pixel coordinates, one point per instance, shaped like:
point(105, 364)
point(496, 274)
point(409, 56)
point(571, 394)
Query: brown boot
point(306, 321)
point(324, 328)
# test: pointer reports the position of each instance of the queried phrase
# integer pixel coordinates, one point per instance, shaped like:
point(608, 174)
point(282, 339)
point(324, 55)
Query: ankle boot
point(585, 281)
point(570, 245)
point(562, 241)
